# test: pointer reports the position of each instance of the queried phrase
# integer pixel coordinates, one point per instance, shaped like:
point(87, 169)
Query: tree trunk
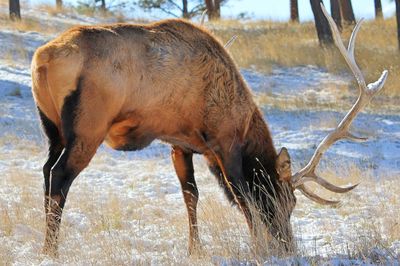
point(347, 12)
point(59, 4)
point(217, 7)
point(336, 14)
point(398, 21)
point(185, 13)
point(378, 9)
point(15, 13)
point(321, 23)
point(213, 9)
point(210, 9)
point(294, 11)
point(103, 5)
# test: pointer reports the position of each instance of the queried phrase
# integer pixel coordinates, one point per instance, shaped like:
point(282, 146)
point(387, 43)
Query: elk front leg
point(183, 164)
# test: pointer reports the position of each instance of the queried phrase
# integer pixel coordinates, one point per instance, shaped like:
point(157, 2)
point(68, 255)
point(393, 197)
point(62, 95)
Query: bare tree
point(213, 9)
point(59, 4)
point(210, 9)
point(336, 13)
point(185, 12)
point(294, 11)
point(175, 8)
point(378, 9)
point(347, 12)
point(217, 4)
point(15, 10)
point(103, 7)
point(321, 24)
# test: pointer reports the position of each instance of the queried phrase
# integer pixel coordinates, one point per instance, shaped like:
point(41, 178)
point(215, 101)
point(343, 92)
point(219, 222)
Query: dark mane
point(259, 157)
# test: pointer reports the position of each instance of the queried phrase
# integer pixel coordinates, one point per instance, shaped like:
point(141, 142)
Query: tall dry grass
point(105, 226)
point(263, 44)
point(27, 24)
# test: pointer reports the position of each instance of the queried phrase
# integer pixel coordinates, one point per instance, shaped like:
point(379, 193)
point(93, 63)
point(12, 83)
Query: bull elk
point(171, 80)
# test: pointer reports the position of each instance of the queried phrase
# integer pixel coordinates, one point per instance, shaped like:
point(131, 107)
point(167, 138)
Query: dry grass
point(27, 24)
point(109, 228)
point(263, 44)
point(4, 3)
point(17, 53)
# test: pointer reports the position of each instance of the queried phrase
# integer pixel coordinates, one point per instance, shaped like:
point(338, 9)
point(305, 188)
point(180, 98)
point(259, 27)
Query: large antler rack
point(366, 93)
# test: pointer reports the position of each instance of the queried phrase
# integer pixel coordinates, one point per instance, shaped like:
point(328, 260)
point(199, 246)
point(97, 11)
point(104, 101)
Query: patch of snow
point(77, 219)
point(21, 232)
point(306, 82)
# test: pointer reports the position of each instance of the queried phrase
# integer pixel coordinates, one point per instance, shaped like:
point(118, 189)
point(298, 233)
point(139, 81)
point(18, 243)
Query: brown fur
point(169, 80)
point(148, 70)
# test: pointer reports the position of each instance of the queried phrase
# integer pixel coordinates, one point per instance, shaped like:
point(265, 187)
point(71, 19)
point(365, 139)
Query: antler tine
point(354, 138)
point(314, 197)
point(348, 55)
point(353, 37)
point(230, 42)
point(376, 86)
point(342, 130)
point(203, 17)
point(327, 185)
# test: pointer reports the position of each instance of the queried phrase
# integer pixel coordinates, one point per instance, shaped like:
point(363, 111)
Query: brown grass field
point(263, 44)
point(103, 227)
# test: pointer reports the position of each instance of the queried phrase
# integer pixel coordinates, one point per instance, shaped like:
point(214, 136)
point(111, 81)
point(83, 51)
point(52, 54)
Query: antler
point(366, 93)
point(203, 17)
point(230, 42)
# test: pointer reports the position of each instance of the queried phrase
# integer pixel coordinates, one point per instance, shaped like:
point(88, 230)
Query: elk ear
point(283, 165)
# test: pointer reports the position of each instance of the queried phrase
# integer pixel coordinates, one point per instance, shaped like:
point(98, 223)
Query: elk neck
point(259, 154)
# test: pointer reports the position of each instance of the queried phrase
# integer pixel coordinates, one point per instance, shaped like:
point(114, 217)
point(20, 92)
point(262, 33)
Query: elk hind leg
point(80, 147)
point(55, 145)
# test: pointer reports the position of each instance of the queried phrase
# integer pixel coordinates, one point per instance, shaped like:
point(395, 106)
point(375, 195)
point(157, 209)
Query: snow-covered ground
point(133, 200)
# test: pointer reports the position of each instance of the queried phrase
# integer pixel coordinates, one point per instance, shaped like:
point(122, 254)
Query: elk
point(128, 85)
